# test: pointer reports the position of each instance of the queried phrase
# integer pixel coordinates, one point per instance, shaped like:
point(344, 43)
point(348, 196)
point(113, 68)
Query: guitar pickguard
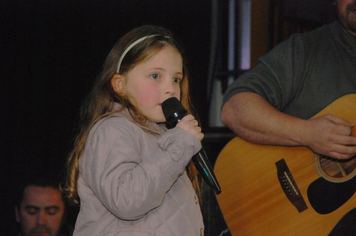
point(325, 196)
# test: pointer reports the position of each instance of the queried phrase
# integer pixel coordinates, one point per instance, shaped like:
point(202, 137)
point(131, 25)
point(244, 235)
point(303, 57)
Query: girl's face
point(154, 80)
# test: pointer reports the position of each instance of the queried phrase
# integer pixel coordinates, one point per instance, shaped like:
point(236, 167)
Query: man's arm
point(252, 118)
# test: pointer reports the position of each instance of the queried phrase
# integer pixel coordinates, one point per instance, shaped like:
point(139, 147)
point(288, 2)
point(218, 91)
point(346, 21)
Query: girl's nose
point(169, 88)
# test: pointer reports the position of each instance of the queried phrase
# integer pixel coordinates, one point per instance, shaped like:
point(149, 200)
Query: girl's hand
point(190, 124)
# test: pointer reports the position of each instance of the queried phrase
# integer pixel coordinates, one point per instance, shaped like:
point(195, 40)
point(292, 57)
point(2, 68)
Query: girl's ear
point(118, 84)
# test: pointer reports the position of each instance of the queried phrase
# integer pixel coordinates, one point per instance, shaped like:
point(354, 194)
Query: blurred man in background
point(40, 209)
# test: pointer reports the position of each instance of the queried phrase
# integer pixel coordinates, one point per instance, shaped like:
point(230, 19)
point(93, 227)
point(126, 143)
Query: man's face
point(41, 211)
point(346, 10)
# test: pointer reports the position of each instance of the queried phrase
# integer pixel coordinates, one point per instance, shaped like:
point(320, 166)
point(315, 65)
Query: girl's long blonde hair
point(101, 99)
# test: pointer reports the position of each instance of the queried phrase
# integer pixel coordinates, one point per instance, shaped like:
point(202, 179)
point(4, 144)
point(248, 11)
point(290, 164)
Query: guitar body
point(253, 201)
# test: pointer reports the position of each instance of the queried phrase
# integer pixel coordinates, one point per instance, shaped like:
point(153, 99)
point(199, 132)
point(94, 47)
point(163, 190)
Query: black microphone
point(174, 111)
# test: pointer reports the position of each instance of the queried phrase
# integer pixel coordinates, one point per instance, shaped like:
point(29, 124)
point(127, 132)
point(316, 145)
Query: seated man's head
point(40, 208)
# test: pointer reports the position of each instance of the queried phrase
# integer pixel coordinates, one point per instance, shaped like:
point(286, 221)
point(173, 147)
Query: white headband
point(129, 48)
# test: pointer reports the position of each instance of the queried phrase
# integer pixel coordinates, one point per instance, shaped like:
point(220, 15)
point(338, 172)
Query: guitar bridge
point(289, 186)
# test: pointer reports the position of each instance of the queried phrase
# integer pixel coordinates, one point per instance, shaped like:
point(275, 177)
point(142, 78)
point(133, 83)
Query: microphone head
point(174, 111)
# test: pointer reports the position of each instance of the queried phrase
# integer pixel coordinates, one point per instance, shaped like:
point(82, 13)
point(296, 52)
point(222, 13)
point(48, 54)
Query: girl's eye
point(177, 80)
point(155, 76)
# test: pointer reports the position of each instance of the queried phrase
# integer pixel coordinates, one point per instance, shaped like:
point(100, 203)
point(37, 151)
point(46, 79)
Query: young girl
point(130, 174)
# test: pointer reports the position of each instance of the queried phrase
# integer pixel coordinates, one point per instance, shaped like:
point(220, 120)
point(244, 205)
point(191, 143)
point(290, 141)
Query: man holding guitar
point(278, 102)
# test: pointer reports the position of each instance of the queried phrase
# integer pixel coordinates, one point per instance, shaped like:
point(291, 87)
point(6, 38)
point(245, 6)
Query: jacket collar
point(149, 126)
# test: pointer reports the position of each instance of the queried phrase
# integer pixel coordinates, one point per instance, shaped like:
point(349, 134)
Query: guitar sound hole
point(337, 168)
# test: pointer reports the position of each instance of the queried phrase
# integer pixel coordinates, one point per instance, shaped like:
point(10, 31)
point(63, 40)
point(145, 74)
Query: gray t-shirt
point(304, 74)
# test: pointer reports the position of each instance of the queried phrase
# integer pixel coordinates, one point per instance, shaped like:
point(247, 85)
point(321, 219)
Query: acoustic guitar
point(278, 190)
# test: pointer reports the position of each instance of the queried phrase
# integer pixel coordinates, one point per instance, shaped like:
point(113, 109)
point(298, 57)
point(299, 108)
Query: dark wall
point(51, 53)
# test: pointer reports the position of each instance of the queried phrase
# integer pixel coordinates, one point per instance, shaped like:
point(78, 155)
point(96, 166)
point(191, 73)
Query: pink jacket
point(133, 182)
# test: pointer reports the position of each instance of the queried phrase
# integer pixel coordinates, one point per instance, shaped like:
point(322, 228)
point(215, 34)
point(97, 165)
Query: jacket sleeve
point(127, 177)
